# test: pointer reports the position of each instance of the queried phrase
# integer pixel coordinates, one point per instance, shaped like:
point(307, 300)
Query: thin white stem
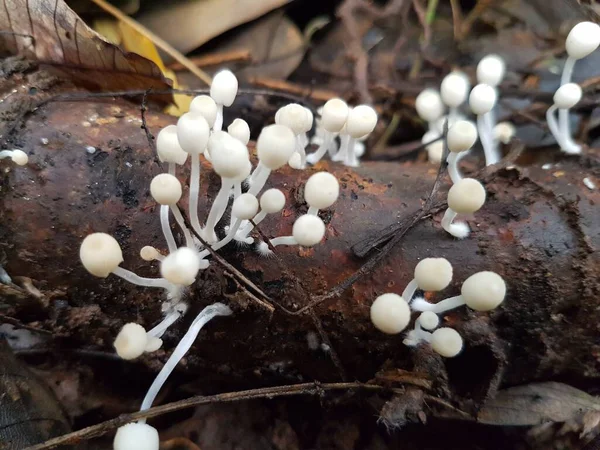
point(332, 148)
point(172, 168)
point(563, 114)
point(194, 193)
point(283, 240)
point(217, 209)
point(218, 125)
point(553, 126)
point(342, 152)
point(237, 191)
point(255, 173)
point(351, 159)
point(166, 228)
point(313, 211)
point(226, 240)
point(487, 140)
point(259, 182)
point(410, 290)
point(163, 326)
point(301, 151)
point(315, 157)
point(6, 154)
point(459, 230)
point(432, 125)
point(189, 240)
point(452, 115)
point(128, 275)
point(248, 227)
point(453, 171)
point(448, 218)
point(208, 313)
point(445, 305)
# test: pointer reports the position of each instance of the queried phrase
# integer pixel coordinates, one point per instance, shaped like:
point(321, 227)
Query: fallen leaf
point(537, 403)
point(50, 32)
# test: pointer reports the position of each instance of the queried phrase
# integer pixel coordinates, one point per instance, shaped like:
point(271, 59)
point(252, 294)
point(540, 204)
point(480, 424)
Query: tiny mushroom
point(390, 313)
point(131, 341)
point(168, 148)
point(431, 274)
point(460, 138)
point(429, 106)
point(181, 266)
point(166, 191)
point(454, 92)
point(360, 123)
point(491, 70)
point(271, 201)
point(205, 105)
point(136, 436)
point(223, 91)
point(321, 191)
point(240, 130)
point(482, 100)
point(19, 157)
point(333, 118)
point(464, 197)
point(567, 96)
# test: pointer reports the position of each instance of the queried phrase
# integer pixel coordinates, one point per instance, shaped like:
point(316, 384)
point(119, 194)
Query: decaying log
point(90, 168)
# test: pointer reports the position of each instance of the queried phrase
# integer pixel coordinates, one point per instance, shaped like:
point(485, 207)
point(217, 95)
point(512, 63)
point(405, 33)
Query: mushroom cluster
point(391, 313)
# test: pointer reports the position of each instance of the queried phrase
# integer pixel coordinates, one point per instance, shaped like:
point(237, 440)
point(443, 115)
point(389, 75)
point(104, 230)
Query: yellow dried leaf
point(109, 29)
point(136, 42)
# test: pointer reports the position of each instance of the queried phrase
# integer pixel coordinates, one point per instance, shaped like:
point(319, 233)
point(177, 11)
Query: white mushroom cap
point(100, 254)
point(205, 105)
point(295, 161)
point(181, 266)
point(310, 118)
point(482, 99)
point(567, 96)
point(491, 70)
point(240, 130)
point(224, 87)
point(308, 230)
point(583, 39)
point(153, 344)
point(165, 189)
point(430, 136)
point(216, 139)
point(446, 342)
point(193, 132)
point(455, 89)
point(272, 201)
point(361, 121)
point(390, 313)
point(433, 274)
point(230, 159)
point(429, 105)
point(136, 436)
point(131, 341)
point(429, 320)
point(242, 175)
point(483, 291)
point(245, 207)
point(334, 115)
point(435, 151)
point(19, 157)
point(504, 132)
point(462, 136)
point(168, 148)
point(294, 117)
point(466, 196)
point(149, 253)
point(275, 145)
point(322, 190)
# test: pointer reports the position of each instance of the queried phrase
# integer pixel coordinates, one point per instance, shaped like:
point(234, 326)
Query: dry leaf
point(537, 403)
point(188, 25)
point(50, 32)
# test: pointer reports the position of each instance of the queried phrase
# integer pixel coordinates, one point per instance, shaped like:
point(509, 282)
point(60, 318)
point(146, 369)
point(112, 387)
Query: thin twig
point(149, 135)
point(215, 59)
point(159, 42)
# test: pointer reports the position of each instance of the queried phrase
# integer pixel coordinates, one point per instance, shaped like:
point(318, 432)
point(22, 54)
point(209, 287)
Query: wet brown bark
point(539, 229)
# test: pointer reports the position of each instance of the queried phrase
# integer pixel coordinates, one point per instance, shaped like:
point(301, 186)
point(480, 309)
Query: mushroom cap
point(583, 39)
point(181, 266)
point(193, 133)
point(482, 99)
point(567, 96)
point(165, 189)
point(19, 157)
point(205, 105)
point(390, 313)
point(361, 121)
point(455, 89)
point(149, 253)
point(462, 136)
point(136, 436)
point(100, 254)
point(224, 87)
point(446, 342)
point(131, 341)
point(230, 158)
point(322, 190)
point(294, 117)
point(466, 196)
point(491, 70)
point(168, 148)
point(275, 146)
point(272, 201)
point(433, 274)
point(334, 115)
point(310, 118)
point(245, 207)
point(240, 130)
point(429, 105)
point(435, 152)
point(308, 230)
point(504, 132)
point(483, 291)
point(429, 320)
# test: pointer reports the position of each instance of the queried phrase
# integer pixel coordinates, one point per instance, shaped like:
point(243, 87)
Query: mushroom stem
point(172, 168)
point(166, 228)
point(283, 240)
point(245, 231)
point(453, 171)
point(169, 320)
point(315, 157)
point(194, 193)
point(487, 140)
point(350, 159)
point(563, 114)
point(301, 151)
point(226, 240)
point(416, 336)
point(343, 151)
point(257, 171)
point(128, 275)
point(420, 304)
point(217, 209)
point(208, 313)
point(189, 240)
point(460, 230)
point(259, 182)
point(218, 126)
point(410, 290)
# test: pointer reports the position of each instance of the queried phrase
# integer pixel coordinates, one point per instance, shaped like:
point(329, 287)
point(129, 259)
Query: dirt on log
point(90, 168)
